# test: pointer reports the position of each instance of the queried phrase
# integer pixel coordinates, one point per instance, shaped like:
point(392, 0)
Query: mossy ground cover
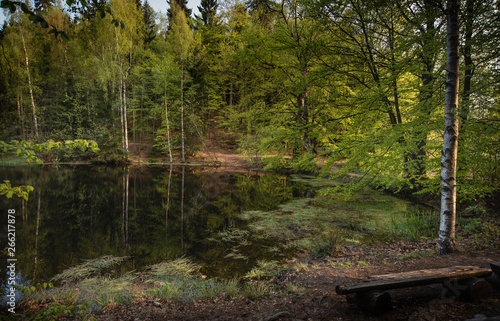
point(321, 224)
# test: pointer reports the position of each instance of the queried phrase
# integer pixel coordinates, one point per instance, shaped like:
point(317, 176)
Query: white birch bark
point(450, 145)
point(182, 106)
point(166, 116)
point(35, 122)
point(125, 128)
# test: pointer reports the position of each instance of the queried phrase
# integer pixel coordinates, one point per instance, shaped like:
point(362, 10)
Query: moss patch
point(319, 225)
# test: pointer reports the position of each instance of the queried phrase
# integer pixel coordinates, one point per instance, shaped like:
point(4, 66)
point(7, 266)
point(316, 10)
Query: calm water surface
point(151, 213)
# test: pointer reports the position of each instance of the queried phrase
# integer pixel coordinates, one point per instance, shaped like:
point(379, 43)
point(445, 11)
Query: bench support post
point(472, 289)
point(371, 301)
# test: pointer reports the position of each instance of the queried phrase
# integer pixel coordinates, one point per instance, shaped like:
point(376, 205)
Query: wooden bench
point(458, 281)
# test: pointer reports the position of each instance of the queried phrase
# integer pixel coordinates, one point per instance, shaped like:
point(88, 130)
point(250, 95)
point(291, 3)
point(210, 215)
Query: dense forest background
point(302, 82)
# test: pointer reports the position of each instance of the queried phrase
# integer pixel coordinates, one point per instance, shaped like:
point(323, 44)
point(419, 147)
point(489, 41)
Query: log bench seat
point(458, 281)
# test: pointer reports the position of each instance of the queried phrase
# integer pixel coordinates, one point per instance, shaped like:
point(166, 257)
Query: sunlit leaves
point(37, 18)
point(20, 191)
point(28, 150)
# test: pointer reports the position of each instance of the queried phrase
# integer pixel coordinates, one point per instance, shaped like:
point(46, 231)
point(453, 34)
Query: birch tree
point(450, 143)
point(183, 40)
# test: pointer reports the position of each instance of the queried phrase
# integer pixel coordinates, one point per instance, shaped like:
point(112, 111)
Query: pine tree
point(208, 10)
point(151, 29)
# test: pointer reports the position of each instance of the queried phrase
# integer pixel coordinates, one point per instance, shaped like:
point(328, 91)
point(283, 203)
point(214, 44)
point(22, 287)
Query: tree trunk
point(166, 116)
point(450, 143)
point(469, 66)
point(20, 114)
point(182, 209)
point(120, 91)
point(182, 108)
point(125, 129)
point(305, 118)
point(35, 123)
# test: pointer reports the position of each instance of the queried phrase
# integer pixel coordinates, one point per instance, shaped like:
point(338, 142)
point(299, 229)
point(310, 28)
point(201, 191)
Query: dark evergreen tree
point(91, 10)
point(149, 22)
point(208, 10)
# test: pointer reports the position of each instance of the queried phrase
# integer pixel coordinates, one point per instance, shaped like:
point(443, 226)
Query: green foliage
point(57, 310)
point(263, 270)
point(179, 267)
point(322, 224)
point(416, 225)
point(305, 164)
point(90, 268)
point(105, 290)
point(29, 151)
point(39, 286)
point(329, 246)
point(294, 84)
point(20, 191)
point(255, 290)
point(37, 18)
point(481, 232)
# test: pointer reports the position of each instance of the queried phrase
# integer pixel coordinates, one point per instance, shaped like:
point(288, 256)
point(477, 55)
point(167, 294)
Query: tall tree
point(151, 29)
point(208, 10)
point(450, 144)
point(183, 40)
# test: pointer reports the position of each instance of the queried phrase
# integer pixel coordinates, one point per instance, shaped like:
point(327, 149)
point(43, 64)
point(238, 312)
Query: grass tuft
point(89, 268)
point(416, 225)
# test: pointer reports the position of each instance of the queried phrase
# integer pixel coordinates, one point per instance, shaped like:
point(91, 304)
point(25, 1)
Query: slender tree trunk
point(125, 129)
point(182, 209)
point(231, 90)
point(20, 114)
point(166, 115)
point(38, 207)
point(133, 116)
point(35, 123)
point(450, 145)
point(168, 193)
point(120, 91)
point(123, 208)
point(182, 108)
point(120, 88)
point(469, 65)
point(125, 121)
point(127, 179)
point(305, 119)
point(166, 210)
